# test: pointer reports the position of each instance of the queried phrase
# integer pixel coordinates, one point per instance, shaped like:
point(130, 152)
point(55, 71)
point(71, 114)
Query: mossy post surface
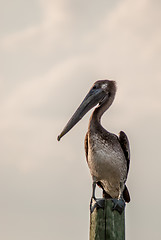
point(106, 224)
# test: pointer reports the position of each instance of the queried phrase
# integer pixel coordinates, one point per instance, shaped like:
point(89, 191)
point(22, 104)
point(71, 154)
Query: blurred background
point(51, 52)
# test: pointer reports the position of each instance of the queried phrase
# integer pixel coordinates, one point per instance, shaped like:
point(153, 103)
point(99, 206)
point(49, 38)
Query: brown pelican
point(108, 155)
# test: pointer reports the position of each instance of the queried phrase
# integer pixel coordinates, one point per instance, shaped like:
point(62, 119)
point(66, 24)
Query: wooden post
point(106, 224)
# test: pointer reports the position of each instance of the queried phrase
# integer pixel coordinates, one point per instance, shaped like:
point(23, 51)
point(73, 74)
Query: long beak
point(92, 98)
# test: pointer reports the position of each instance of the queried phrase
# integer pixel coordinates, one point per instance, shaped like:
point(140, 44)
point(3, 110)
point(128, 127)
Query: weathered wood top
point(106, 224)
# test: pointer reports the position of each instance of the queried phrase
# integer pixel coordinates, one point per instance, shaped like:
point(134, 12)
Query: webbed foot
point(98, 203)
point(119, 205)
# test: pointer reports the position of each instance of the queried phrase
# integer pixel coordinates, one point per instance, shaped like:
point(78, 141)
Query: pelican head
point(100, 93)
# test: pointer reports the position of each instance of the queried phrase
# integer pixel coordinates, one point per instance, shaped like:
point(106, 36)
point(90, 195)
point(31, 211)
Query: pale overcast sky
point(51, 52)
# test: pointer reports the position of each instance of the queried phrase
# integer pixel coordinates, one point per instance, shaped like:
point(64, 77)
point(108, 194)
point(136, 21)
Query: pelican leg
point(93, 189)
point(99, 202)
point(119, 204)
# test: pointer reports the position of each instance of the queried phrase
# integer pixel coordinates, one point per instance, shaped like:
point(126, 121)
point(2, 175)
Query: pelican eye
point(94, 87)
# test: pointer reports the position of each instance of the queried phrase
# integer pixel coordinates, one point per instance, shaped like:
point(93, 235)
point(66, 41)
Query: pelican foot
point(119, 205)
point(98, 203)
